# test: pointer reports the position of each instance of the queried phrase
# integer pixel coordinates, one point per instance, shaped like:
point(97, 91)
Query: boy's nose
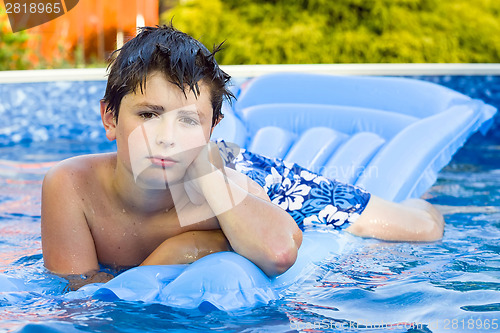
point(165, 132)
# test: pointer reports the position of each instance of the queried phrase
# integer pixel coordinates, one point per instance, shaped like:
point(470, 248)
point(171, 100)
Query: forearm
point(257, 229)
point(188, 247)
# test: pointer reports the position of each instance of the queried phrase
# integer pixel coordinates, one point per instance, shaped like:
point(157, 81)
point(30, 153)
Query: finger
point(193, 194)
point(214, 155)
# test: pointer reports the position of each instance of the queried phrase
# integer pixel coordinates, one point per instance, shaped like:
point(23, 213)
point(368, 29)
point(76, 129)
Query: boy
point(165, 196)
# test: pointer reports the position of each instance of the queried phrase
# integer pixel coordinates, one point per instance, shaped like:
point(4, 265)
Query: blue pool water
point(448, 286)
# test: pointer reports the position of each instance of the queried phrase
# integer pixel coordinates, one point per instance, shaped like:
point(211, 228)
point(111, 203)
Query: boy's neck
point(140, 200)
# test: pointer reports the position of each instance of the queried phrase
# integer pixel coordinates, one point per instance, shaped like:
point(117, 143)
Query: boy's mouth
point(162, 161)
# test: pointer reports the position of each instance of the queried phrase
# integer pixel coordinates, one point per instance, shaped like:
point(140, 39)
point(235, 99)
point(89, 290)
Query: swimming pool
point(449, 285)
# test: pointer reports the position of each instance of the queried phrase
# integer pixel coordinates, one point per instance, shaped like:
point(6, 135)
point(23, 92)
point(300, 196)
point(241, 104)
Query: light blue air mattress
point(390, 136)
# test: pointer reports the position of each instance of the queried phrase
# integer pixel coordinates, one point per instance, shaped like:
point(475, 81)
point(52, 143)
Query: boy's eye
point(147, 115)
point(189, 121)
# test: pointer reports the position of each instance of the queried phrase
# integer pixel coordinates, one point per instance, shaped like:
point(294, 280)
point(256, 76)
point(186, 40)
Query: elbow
point(282, 258)
point(280, 263)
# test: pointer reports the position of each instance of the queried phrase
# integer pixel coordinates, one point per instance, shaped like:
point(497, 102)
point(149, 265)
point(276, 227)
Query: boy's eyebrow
point(190, 113)
point(181, 111)
point(153, 107)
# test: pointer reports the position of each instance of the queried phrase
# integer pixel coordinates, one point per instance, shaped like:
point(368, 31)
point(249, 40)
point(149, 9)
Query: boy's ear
point(216, 122)
point(109, 121)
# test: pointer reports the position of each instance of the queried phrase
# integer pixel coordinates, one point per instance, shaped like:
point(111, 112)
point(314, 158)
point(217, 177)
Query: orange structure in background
point(93, 29)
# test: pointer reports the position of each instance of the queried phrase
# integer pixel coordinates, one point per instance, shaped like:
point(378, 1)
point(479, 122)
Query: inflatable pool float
point(226, 280)
point(390, 136)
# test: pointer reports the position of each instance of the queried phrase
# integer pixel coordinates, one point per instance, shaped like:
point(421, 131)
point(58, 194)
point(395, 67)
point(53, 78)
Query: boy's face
point(160, 131)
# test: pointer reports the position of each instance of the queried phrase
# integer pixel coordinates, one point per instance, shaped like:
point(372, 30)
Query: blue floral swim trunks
point(311, 199)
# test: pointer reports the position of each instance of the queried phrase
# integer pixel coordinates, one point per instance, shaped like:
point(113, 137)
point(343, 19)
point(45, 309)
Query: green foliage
point(13, 51)
point(344, 31)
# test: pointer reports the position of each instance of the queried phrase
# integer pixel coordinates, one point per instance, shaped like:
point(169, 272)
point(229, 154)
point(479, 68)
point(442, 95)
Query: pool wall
point(46, 105)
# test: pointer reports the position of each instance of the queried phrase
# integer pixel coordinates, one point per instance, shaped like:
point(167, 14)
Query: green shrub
point(344, 31)
point(13, 51)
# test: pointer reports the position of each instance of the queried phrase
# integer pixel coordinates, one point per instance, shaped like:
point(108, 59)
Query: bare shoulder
point(78, 170)
point(247, 183)
point(75, 179)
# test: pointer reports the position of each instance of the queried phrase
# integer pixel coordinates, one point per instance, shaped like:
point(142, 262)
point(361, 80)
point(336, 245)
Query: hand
point(207, 161)
point(78, 281)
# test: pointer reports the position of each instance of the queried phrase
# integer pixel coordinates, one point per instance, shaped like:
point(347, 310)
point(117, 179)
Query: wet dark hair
point(182, 59)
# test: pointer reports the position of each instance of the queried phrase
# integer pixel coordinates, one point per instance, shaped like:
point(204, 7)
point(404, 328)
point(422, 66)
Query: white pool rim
point(244, 71)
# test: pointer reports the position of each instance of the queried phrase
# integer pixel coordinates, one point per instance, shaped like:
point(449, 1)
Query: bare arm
point(188, 247)
point(257, 229)
point(411, 220)
point(67, 244)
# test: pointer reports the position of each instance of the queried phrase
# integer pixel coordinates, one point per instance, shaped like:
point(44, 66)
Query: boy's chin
point(151, 186)
point(154, 180)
